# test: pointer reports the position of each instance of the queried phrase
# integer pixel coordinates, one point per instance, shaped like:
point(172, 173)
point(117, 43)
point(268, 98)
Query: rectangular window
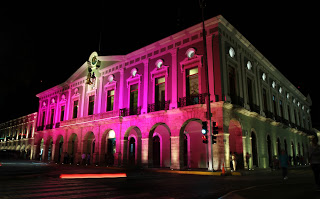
point(289, 116)
point(250, 93)
point(52, 116)
point(160, 89)
point(192, 82)
point(274, 105)
point(75, 109)
point(110, 100)
point(30, 132)
point(43, 118)
point(133, 99)
point(281, 108)
point(265, 104)
point(62, 113)
point(91, 105)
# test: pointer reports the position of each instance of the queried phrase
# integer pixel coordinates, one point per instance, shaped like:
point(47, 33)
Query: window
point(192, 82)
point(289, 116)
point(274, 105)
point(133, 99)
point(52, 116)
point(75, 109)
point(250, 93)
point(160, 92)
point(91, 105)
point(110, 100)
point(30, 132)
point(265, 104)
point(62, 113)
point(43, 118)
point(281, 108)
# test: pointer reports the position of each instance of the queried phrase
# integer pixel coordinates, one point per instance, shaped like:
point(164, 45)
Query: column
point(145, 86)
point(174, 98)
point(121, 89)
point(175, 152)
point(99, 95)
point(145, 152)
point(226, 151)
point(244, 149)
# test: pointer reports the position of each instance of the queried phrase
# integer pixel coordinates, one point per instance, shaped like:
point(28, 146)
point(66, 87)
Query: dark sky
point(41, 45)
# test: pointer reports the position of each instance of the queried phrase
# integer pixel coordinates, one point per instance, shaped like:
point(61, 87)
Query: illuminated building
point(18, 135)
point(147, 107)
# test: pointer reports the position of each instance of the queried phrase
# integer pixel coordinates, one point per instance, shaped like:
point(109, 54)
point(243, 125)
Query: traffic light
point(214, 132)
point(204, 131)
point(205, 139)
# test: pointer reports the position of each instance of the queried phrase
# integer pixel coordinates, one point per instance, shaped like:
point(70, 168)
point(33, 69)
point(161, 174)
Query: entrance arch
point(108, 147)
point(49, 147)
point(269, 150)
point(132, 146)
point(254, 148)
point(191, 143)
point(159, 146)
point(89, 147)
point(72, 148)
point(58, 149)
point(235, 142)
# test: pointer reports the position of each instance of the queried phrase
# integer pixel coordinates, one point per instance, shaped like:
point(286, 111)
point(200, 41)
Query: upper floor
point(170, 74)
point(18, 129)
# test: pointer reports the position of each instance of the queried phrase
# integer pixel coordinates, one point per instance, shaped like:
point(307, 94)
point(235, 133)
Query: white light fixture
point(249, 65)
point(264, 76)
point(159, 63)
point(232, 53)
point(191, 52)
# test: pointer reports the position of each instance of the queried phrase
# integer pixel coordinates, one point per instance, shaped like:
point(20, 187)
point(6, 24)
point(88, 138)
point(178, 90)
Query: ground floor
point(170, 139)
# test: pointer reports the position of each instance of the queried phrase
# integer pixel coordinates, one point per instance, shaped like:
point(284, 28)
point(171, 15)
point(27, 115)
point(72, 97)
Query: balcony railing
point(159, 106)
point(127, 111)
point(192, 100)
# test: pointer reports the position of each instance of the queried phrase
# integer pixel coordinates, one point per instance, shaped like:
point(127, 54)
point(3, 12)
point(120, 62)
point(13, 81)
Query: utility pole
point(205, 62)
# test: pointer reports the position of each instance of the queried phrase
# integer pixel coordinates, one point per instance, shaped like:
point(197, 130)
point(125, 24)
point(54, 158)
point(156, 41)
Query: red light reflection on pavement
point(99, 175)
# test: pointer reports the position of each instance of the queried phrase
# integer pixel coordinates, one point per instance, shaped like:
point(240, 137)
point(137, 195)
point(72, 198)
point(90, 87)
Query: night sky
point(42, 45)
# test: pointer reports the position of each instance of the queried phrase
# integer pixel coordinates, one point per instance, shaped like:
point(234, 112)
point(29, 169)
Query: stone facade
point(146, 108)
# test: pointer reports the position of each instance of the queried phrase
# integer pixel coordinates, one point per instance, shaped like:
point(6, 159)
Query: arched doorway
point(159, 146)
point(89, 147)
point(269, 151)
point(132, 151)
point(156, 151)
point(132, 146)
point(193, 152)
point(285, 146)
point(293, 154)
point(72, 149)
point(185, 151)
point(254, 149)
point(50, 143)
point(59, 149)
point(278, 147)
point(111, 147)
point(235, 142)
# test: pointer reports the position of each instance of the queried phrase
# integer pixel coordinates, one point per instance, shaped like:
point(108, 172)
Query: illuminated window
point(43, 118)
point(75, 109)
point(160, 92)
point(133, 99)
point(274, 105)
point(52, 116)
point(62, 113)
point(110, 100)
point(91, 105)
point(192, 82)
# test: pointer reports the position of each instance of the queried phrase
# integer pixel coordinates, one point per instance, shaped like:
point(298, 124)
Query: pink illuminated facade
point(146, 108)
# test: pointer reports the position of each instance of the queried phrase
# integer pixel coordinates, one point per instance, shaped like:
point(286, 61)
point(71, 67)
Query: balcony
point(192, 100)
point(158, 106)
point(127, 111)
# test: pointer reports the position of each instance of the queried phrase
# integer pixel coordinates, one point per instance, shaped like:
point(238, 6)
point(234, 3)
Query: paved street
point(38, 180)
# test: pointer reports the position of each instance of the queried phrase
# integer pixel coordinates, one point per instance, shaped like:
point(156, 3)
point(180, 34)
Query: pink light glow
point(95, 175)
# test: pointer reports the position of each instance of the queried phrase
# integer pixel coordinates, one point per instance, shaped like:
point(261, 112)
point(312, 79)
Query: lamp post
point(205, 62)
